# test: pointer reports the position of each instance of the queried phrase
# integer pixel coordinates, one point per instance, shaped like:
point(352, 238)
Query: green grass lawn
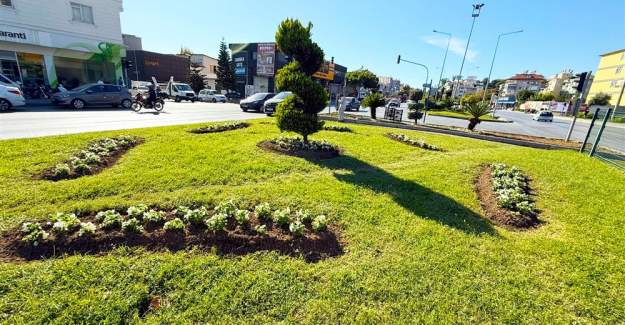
point(418, 249)
point(463, 115)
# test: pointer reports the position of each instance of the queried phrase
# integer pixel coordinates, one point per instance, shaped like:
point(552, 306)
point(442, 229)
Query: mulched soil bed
point(219, 128)
point(312, 247)
point(307, 154)
point(497, 214)
point(106, 162)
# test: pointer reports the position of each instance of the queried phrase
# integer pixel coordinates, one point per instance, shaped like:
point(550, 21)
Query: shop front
point(35, 58)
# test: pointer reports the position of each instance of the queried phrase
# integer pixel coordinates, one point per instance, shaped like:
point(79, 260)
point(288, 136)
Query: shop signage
point(326, 72)
point(19, 35)
point(239, 66)
point(266, 54)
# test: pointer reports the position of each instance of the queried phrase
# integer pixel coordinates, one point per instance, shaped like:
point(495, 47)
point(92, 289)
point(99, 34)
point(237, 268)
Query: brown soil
point(271, 147)
point(236, 240)
point(497, 214)
point(106, 162)
point(206, 130)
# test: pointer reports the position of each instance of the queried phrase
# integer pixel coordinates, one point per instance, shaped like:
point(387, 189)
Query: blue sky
point(558, 34)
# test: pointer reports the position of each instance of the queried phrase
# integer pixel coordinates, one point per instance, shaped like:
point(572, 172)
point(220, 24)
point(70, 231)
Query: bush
point(261, 230)
point(132, 225)
point(297, 228)
point(174, 225)
point(600, 99)
point(197, 216)
point(86, 229)
point(33, 233)
point(228, 208)
point(242, 217)
point(282, 217)
point(137, 211)
point(111, 221)
point(320, 223)
point(263, 211)
point(153, 216)
point(63, 223)
point(303, 216)
point(373, 101)
point(217, 222)
point(291, 117)
point(476, 111)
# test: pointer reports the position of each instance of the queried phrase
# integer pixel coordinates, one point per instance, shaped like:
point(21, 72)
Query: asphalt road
point(26, 122)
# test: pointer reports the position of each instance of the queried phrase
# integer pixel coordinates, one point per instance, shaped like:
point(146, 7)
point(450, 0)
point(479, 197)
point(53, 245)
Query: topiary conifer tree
point(298, 113)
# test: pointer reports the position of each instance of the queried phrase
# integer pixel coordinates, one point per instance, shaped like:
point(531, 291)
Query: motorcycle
point(141, 101)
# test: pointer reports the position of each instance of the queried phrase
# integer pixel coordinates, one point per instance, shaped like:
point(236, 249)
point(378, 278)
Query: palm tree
point(476, 110)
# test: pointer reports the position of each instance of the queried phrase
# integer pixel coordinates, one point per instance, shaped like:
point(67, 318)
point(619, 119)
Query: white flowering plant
point(175, 224)
point(296, 144)
point(228, 208)
point(263, 211)
point(63, 223)
point(261, 230)
point(153, 216)
point(413, 142)
point(86, 229)
point(137, 211)
point(196, 216)
point(110, 220)
point(33, 233)
point(282, 217)
point(132, 225)
point(242, 217)
point(319, 223)
point(217, 222)
point(303, 216)
point(297, 228)
point(511, 187)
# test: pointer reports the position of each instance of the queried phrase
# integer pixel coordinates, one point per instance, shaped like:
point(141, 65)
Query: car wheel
point(78, 104)
point(193, 100)
point(126, 103)
point(177, 99)
point(214, 100)
point(244, 109)
point(5, 105)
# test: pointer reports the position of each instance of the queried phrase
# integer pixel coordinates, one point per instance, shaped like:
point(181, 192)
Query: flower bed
point(506, 196)
point(226, 226)
point(220, 127)
point(100, 154)
point(413, 142)
point(337, 128)
point(297, 147)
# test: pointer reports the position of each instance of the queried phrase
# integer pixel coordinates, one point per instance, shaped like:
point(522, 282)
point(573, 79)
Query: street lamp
point(477, 8)
point(493, 62)
point(445, 58)
point(427, 77)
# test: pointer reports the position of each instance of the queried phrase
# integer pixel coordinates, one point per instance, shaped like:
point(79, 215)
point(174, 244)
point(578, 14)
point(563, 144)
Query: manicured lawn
point(418, 250)
point(463, 115)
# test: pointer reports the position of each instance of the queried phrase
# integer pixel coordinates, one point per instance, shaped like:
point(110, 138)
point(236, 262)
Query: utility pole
point(493, 62)
point(581, 88)
point(477, 8)
point(444, 59)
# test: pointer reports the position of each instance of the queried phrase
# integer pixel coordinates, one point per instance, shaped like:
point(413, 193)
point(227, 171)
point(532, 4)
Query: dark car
point(255, 102)
point(94, 95)
point(270, 105)
point(350, 104)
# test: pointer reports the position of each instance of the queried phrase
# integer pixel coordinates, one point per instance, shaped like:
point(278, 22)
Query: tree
point(298, 113)
point(225, 69)
point(197, 81)
point(363, 78)
point(476, 110)
point(524, 95)
point(185, 51)
point(373, 101)
point(543, 97)
point(417, 95)
point(600, 99)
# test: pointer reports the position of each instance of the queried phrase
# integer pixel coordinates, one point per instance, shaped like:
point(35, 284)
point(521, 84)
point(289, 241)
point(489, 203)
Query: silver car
point(94, 95)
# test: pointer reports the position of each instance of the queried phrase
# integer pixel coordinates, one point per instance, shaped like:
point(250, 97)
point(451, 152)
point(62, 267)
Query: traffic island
point(298, 148)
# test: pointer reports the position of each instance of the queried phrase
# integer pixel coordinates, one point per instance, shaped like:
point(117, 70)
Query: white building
point(555, 83)
point(463, 87)
point(388, 85)
point(52, 41)
point(531, 81)
point(208, 68)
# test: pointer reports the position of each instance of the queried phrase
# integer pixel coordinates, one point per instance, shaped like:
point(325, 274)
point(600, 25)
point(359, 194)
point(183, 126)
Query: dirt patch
point(220, 128)
point(105, 162)
point(497, 214)
point(235, 240)
point(307, 154)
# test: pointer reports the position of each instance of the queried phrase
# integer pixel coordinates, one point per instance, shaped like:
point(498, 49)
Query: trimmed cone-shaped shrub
point(298, 113)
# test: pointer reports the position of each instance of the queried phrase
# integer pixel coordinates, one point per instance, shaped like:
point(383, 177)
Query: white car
point(546, 116)
point(10, 97)
point(209, 95)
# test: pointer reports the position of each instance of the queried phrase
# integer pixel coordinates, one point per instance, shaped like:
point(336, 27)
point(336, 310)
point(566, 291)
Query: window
point(112, 89)
point(82, 13)
point(619, 69)
point(8, 3)
point(97, 89)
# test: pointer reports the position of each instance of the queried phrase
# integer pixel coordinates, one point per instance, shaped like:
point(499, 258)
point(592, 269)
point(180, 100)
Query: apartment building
point(52, 41)
point(207, 67)
point(610, 76)
point(531, 81)
point(389, 85)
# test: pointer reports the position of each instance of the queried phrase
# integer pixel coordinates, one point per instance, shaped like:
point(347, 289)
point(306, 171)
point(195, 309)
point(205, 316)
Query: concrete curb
point(430, 129)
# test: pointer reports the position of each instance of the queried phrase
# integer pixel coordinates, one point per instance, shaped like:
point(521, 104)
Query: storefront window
point(32, 69)
point(74, 72)
point(8, 66)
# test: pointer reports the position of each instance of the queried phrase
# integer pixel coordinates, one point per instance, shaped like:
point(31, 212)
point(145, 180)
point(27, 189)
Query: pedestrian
point(100, 82)
point(61, 88)
point(341, 110)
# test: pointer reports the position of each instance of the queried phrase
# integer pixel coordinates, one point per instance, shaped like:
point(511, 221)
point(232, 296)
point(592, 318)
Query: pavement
point(37, 121)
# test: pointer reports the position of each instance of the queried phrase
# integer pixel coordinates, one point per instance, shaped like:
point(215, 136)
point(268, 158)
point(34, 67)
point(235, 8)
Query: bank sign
point(17, 35)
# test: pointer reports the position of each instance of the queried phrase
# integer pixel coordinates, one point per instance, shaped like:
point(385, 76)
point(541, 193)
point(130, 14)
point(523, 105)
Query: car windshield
point(283, 95)
point(82, 88)
point(258, 96)
point(184, 87)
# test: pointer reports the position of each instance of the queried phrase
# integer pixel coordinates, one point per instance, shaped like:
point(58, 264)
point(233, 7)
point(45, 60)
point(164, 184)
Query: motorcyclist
point(151, 96)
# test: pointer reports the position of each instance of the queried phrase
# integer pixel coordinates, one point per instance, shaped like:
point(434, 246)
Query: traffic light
point(398, 59)
point(129, 64)
point(582, 80)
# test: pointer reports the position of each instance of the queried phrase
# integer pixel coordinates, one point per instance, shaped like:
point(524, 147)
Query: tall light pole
point(477, 8)
point(427, 77)
point(445, 58)
point(493, 62)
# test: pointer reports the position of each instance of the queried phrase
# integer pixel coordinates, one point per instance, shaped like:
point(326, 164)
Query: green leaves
point(293, 39)
point(363, 78)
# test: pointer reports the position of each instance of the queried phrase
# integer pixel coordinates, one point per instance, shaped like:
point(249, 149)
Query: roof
point(527, 76)
point(613, 52)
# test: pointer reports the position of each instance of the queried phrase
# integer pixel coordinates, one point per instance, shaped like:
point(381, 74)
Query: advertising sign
point(326, 72)
point(266, 56)
point(240, 66)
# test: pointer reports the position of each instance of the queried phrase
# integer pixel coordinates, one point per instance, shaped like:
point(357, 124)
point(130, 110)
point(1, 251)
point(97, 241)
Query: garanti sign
point(18, 35)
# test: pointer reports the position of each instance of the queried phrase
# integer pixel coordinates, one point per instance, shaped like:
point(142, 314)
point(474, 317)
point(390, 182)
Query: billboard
point(265, 60)
point(240, 66)
point(326, 72)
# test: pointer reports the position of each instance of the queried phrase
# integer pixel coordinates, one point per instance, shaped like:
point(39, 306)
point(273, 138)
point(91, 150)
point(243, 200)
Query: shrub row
point(297, 144)
point(512, 190)
point(220, 127)
point(87, 161)
point(136, 218)
point(337, 128)
point(413, 142)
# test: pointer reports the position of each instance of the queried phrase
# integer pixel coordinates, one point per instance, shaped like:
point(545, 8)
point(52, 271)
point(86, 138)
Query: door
point(112, 94)
point(95, 95)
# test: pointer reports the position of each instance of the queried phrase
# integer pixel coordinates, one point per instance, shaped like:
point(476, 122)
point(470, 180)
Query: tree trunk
point(473, 123)
point(373, 111)
point(305, 138)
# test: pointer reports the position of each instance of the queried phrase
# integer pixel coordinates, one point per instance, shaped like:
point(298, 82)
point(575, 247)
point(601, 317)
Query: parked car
point(233, 95)
point(270, 105)
point(255, 102)
point(179, 92)
point(350, 104)
point(6, 81)
point(94, 95)
point(210, 95)
point(546, 116)
point(10, 97)
point(394, 103)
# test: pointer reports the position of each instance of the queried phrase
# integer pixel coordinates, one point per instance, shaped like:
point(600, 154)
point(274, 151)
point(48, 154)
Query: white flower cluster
point(413, 142)
point(512, 189)
point(297, 144)
point(221, 127)
point(337, 128)
point(83, 162)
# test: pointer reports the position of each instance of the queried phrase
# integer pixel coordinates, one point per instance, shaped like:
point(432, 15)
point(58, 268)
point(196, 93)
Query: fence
point(607, 144)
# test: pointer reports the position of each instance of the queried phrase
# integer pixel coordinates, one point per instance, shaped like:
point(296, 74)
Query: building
point(569, 87)
point(463, 87)
point(610, 76)
point(132, 42)
point(556, 83)
point(160, 66)
point(388, 85)
point(207, 67)
point(531, 81)
point(54, 41)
